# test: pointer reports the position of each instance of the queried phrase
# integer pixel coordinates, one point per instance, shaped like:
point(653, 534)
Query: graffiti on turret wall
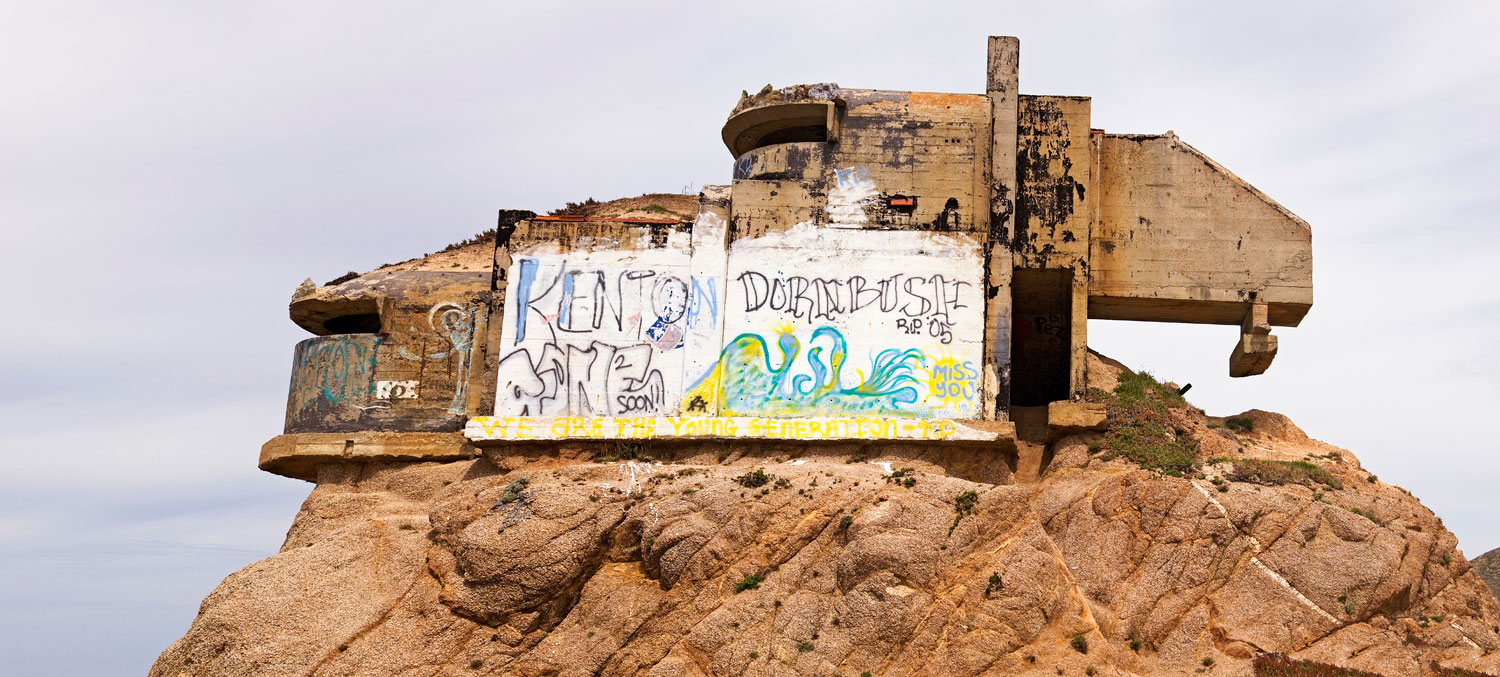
point(606, 333)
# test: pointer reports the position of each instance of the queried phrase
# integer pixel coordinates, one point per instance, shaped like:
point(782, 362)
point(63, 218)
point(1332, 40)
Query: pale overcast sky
point(169, 172)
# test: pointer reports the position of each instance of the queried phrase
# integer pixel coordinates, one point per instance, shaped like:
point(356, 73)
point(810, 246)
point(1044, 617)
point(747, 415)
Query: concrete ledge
point(1072, 418)
point(299, 454)
point(487, 430)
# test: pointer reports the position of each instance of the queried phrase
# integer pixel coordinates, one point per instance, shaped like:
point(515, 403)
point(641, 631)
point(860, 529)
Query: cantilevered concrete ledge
point(486, 430)
point(744, 131)
point(299, 454)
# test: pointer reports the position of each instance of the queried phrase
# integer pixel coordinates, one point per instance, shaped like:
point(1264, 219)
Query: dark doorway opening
point(1041, 331)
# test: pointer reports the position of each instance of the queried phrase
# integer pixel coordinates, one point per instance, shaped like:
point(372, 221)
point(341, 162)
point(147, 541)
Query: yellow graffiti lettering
point(643, 427)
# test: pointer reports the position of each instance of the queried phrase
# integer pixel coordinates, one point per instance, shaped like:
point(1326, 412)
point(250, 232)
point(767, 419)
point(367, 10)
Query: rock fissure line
point(1254, 559)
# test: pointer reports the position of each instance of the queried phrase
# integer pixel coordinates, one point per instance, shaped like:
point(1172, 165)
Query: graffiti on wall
point(918, 304)
point(687, 427)
point(805, 338)
point(454, 325)
point(852, 190)
point(396, 390)
point(775, 327)
point(600, 336)
point(819, 381)
point(600, 379)
point(332, 371)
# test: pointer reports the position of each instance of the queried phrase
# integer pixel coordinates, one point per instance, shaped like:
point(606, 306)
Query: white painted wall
point(804, 323)
point(597, 332)
point(904, 307)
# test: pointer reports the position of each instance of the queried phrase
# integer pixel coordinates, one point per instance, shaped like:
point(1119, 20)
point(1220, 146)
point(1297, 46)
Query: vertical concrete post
point(482, 384)
point(709, 267)
point(1257, 347)
point(1002, 87)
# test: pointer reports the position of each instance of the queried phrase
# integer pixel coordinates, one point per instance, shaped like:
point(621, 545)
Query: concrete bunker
point(882, 266)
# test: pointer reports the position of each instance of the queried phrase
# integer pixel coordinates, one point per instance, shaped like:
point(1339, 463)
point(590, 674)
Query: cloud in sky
point(171, 171)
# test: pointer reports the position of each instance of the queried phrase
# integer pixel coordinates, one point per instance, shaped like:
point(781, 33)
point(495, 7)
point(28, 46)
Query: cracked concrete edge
point(298, 455)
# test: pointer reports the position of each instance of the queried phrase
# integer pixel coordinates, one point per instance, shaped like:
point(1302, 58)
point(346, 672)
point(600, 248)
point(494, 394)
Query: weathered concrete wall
point(1054, 220)
point(905, 163)
point(410, 370)
point(891, 160)
point(1181, 239)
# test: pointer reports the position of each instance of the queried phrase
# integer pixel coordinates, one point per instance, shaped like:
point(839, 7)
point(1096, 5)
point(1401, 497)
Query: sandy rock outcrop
point(813, 560)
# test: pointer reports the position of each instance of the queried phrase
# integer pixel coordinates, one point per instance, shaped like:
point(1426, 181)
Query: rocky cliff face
point(702, 560)
point(1488, 568)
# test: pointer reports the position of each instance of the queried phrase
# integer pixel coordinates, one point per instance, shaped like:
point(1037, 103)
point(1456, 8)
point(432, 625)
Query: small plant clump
point(1208, 661)
point(905, 477)
point(805, 647)
point(750, 582)
point(575, 208)
point(513, 490)
point(995, 584)
point(1240, 424)
point(1141, 429)
point(1277, 665)
point(963, 504)
point(753, 479)
point(1275, 473)
point(1079, 643)
point(623, 451)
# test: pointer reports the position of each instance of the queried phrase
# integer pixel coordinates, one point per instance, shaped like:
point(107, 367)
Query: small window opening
point(361, 323)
